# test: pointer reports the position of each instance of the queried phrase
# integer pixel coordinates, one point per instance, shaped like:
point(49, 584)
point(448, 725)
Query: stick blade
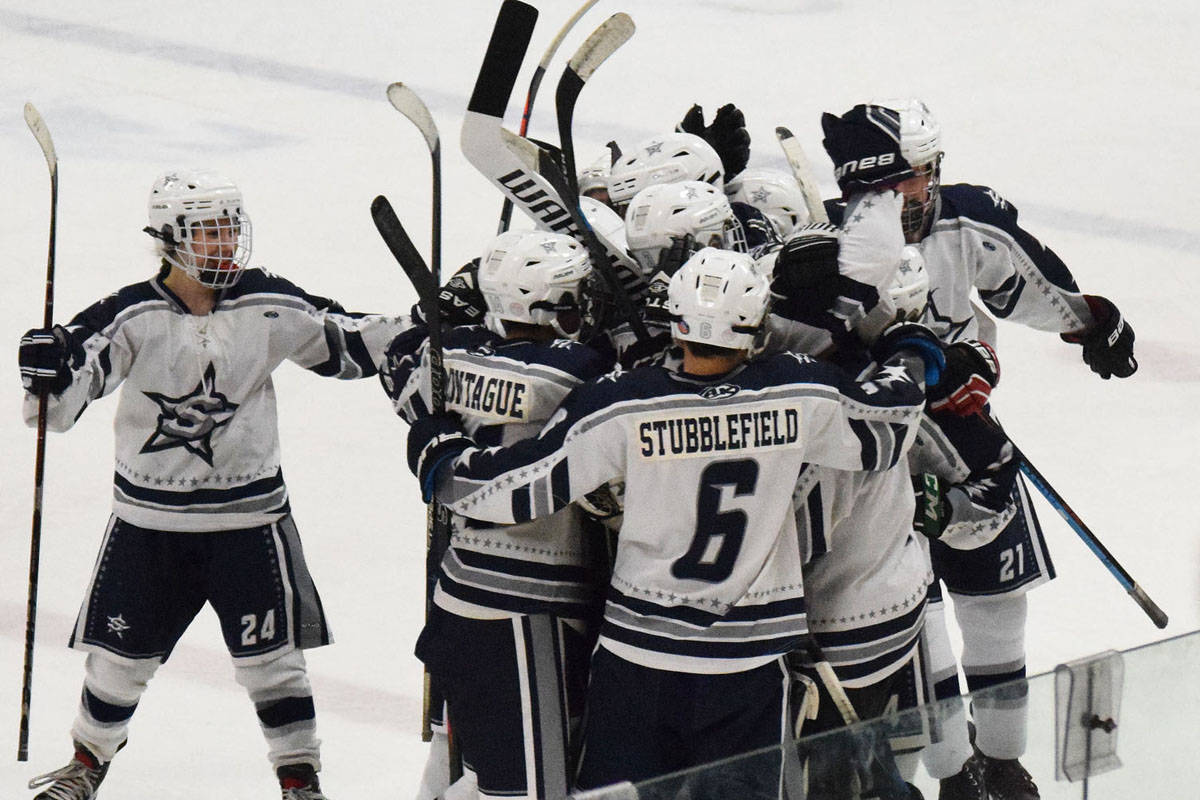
point(406, 101)
point(802, 170)
point(503, 57)
point(402, 248)
point(603, 42)
point(40, 132)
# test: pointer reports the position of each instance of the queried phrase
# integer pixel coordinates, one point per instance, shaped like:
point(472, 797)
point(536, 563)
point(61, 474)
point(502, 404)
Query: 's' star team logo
point(189, 421)
point(118, 625)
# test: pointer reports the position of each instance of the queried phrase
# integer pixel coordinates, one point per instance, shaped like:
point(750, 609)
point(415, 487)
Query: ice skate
point(1006, 779)
point(78, 780)
point(299, 782)
point(966, 785)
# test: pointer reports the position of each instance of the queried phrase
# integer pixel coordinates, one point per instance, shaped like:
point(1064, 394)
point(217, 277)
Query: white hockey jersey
point(197, 440)
point(866, 573)
point(707, 576)
point(504, 391)
point(976, 243)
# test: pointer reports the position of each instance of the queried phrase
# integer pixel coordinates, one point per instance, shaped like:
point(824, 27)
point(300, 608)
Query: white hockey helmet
point(534, 277)
point(774, 193)
point(909, 289)
point(595, 175)
point(199, 217)
point(667, 158)
point(718, 298)
point(921, 146)
point(659, 213)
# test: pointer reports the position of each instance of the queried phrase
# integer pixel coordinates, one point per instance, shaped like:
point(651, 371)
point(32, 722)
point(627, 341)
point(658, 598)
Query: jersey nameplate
point(490, 395)
point(689, 435)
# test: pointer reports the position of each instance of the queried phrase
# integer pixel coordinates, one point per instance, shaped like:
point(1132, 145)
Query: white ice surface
point(1084, 114)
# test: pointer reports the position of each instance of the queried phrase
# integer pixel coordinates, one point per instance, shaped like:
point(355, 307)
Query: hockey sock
point(112, 687)
point(993, 631)
point(282, 697)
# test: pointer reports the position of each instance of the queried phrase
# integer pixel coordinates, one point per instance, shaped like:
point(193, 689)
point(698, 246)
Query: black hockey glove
point(727, 134)
point(864, 146)
point(972, 371)
point(644, 352)
point(47, 357)
point(809, 287)
point(932, 514)
point(459, 301)
point(1108, 342)
point(917, 338)
point(433, 442)
point(399, 360)
point(669, 262)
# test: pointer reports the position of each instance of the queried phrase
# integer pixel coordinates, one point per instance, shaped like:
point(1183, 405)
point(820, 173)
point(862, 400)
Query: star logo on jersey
point(118, 625)
point(889, 376)
point(997, 200)
point(190, 420)
point(760, 196)
point(953, 330)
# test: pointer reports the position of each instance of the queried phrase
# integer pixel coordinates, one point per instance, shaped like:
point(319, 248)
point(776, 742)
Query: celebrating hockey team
point(705, 454)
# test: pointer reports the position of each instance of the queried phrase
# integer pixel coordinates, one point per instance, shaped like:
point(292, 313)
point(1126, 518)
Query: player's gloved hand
point(932, 514)
point(972, 371)
point(727, 134)
point(399, 360)
point(47, 357)
point(865, 150)
point(459, 301)
point(643, 352)
point(1107, 342)
point(917, 338)
point(809, 285)
point(669, 262)
point(433, 442)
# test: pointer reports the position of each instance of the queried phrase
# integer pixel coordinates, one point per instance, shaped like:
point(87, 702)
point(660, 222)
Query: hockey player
point(970, 239)
point(508, 636)
point(704, 597)
point(200, 510)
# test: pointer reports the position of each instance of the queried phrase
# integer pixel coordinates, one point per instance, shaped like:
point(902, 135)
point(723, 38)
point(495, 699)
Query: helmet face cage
point(917, 214)
point(534, 277)
point(718, 298)
point(671, 158)
point(198, 217)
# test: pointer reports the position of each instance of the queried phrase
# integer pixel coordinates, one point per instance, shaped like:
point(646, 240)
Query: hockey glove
point(669, 262)
point(865, 149)
point(917, 338)
point(47, 357)
point(727, 134)
point(1107, 342)
point(932, 514)
point(400, 359)
point(433, 442)
point(972, 371)
point(460, 302)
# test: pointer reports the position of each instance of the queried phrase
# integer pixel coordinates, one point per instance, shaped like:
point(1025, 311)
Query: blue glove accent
point(429, 486)
point(931, 353)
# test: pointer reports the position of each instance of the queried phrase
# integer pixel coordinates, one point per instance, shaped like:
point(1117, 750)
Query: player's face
point(916, 188)
point(214, 243)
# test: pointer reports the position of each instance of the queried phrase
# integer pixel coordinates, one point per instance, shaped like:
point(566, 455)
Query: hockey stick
point(437, 520)
point(438, 530)
point(534, 84)
point(603, 42)
point(40, 132)
point(802, 170)
point(485, 145)
point(543, 160)
point(1156, 614)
